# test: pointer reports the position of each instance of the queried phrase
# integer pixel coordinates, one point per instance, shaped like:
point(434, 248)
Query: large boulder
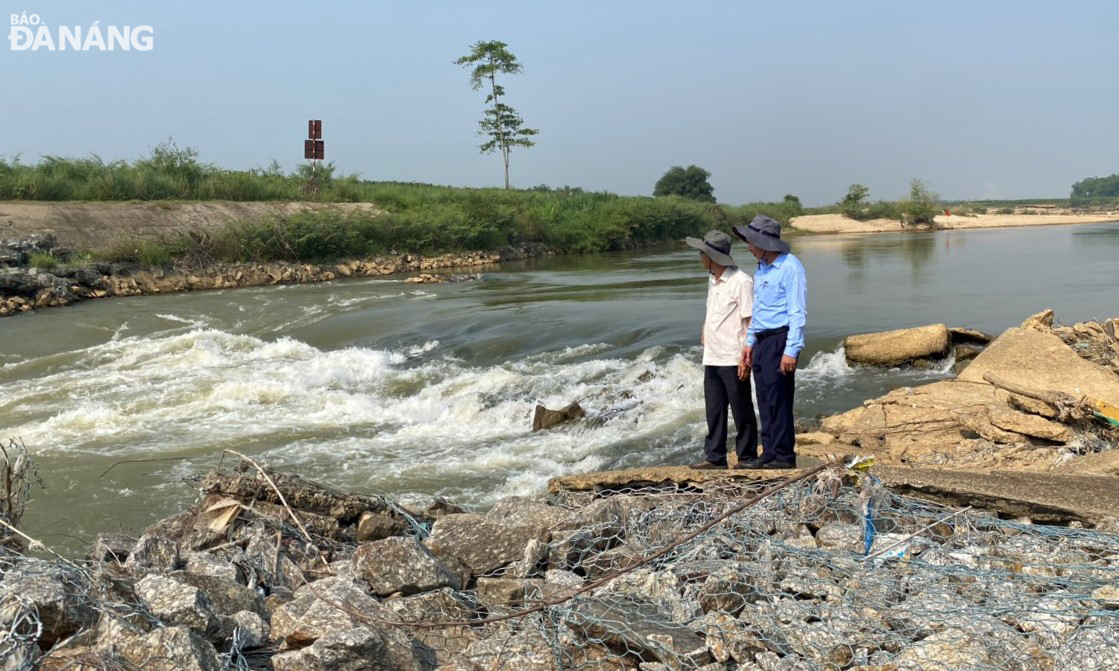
point(357, 649)
point(546, 418)
point(177, 603)
point(622, 623)
point(496, 593)
point(436, 645)
point(170, 649)
point(1042, 361)
point(226, 596)
point(401, 564)
point(893, 348)
point(523, 512)
point(481, 544)
point(523, 649)
point(154, 552)
point(54, 592)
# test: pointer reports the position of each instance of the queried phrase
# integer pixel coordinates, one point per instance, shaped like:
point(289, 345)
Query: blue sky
point(992, 99)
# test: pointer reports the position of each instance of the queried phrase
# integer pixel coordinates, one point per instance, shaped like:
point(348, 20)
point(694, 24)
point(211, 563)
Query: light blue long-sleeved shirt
point(780, 299)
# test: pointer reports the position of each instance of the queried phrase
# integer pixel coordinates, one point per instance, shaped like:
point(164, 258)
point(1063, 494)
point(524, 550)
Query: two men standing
point(765, 317)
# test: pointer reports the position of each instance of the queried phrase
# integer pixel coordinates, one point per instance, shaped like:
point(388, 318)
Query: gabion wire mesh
point(832, 572)
point(819, 576)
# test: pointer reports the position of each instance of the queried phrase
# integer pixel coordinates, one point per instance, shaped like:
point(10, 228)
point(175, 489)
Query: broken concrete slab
point(1041, 360)
point(1043, 497)
point(654, 476)
point(962, 335)
point(893, 348)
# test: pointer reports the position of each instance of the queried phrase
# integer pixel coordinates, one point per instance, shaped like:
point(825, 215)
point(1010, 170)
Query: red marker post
point(314, 149)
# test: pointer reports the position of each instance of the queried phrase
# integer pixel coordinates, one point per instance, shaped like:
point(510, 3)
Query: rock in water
point(892, 348)
point(546, 419)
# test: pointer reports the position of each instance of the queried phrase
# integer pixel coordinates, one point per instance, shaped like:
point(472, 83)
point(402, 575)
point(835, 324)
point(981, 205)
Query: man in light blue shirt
point(775, 338)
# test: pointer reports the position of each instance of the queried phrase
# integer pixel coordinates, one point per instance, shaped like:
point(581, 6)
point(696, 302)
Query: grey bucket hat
point(716, 245)
point(764, 233)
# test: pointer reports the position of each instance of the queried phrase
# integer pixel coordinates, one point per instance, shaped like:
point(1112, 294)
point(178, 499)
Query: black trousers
point(775, 397)
point(721, 387)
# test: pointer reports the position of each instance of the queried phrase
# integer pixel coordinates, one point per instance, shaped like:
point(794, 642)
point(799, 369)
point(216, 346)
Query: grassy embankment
point(417, 218)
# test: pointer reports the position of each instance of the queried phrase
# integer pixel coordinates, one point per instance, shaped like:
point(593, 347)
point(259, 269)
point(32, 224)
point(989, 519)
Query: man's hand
point(788, 364)
point(743, 370)
point(701, 337)
point(747, 356)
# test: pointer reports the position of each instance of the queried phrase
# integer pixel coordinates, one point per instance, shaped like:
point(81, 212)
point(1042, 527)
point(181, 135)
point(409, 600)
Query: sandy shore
point(837, 223)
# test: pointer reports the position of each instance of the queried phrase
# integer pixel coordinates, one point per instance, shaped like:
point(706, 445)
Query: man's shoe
point(778, 465)
point(708, 466)
point(750, 464)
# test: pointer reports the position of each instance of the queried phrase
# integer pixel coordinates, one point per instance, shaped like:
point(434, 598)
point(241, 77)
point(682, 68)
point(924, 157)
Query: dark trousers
point(775, 397)
point(721, 387)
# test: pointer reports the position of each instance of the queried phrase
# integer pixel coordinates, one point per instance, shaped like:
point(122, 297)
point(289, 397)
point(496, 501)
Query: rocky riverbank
point(1041, 397)
point(831, 570)
point(24, 289)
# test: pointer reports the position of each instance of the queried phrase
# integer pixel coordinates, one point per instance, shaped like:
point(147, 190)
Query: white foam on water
point(197, 322)
point(420, 350)
point(829, 365)
point(396, 420)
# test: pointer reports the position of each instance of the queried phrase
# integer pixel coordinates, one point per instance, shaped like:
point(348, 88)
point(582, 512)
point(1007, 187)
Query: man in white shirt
point(730, 294)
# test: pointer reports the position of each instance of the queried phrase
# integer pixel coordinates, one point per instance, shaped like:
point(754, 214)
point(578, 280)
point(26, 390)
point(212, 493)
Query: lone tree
point(921, 207)
point(690, 182)
point(501, 123)
point(856, 195)
point(852, 204)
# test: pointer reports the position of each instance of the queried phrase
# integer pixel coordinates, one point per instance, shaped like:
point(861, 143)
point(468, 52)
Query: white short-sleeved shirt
point(730, 300)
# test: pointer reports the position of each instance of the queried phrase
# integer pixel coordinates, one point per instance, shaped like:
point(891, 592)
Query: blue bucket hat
point(764, 233)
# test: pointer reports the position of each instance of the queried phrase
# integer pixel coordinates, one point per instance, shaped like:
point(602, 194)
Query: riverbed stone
point(892, 348)
point(525, 512)
point(253, 628)
point(55, 593)
point(483, 545)
point(638, 627)
point(177, 603)
point(154, 552)
point(226, 596)
point(111, 548)
point(308, 617)
point(545, 418)
point(401, 564)
point(508, 592)
point(435, 646)
point(358, 649)
point(170, 649)
point(205, 563)
point(374, 526)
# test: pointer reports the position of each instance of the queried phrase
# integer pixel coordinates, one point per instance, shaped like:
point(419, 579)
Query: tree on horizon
point(690, 182)
point(501, 123)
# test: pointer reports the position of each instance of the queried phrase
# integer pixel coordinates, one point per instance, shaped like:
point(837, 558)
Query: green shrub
point(44, 260)
point(921, 208)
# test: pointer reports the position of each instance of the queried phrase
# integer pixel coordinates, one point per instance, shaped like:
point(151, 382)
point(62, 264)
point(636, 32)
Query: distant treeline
point(1096, 190)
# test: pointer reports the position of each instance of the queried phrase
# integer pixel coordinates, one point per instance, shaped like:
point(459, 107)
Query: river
point(378, 385)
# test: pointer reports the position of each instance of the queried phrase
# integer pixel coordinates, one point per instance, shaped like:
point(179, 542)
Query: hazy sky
point(981, 99)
